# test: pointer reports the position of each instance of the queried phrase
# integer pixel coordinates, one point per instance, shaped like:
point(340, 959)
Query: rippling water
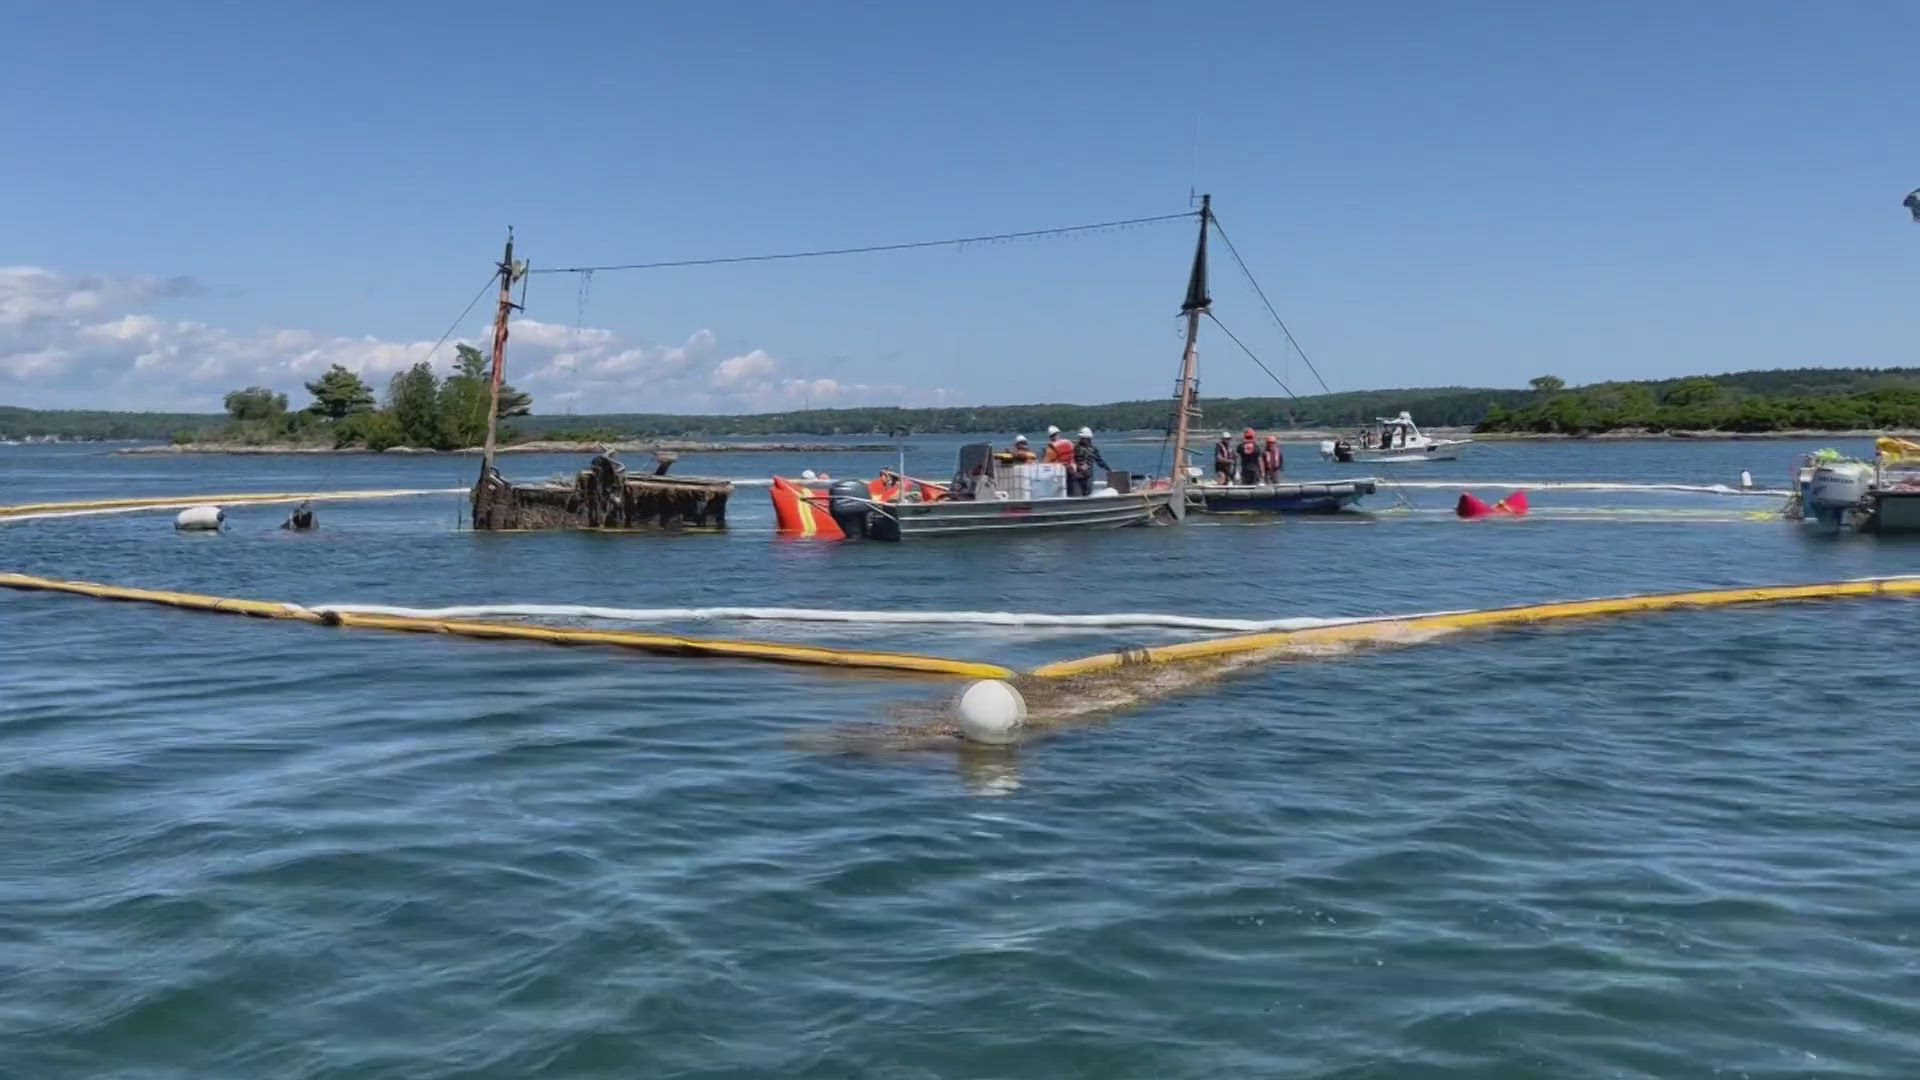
point(1666, 846)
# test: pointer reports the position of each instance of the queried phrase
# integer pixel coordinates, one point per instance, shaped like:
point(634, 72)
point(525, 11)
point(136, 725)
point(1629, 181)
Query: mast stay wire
point(1400, 493)
point(1400, 499)
point(870, 248)
point(1262, 293)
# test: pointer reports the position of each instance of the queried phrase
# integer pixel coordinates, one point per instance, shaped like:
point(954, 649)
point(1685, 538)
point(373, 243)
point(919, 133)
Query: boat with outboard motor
point(1878, 496)
point(1392, 439)
point(992, 493)
point(987, 495)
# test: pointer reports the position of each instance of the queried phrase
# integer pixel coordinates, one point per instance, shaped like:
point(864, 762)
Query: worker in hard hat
point(1247, 455)
point(1059, 450)
point(1271, 461)
point(1085, 457)
point(1021, 454)
point(1223, 459)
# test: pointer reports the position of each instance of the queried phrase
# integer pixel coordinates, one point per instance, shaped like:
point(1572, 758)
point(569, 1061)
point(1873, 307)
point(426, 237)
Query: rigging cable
point(455, 325)
point(1400, 494)
point(1027, 234)
point(1262, 293)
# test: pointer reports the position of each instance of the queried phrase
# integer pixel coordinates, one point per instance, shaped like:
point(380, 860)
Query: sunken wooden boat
point(601, 496)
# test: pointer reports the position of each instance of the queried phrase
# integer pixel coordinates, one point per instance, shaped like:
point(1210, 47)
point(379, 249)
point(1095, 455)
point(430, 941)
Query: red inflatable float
point(1514, 505)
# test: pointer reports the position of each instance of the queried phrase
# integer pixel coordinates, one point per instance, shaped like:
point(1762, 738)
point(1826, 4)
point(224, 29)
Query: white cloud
point(75, 341)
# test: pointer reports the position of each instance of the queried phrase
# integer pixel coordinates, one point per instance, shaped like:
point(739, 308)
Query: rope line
point(1262, 293)
point(1024, 235)
point(455, 325)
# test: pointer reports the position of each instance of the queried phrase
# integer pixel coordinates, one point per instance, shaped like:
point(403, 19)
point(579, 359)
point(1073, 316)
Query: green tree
point(1696, 391)
point(339, 394)
point(1547, 385)
point(466, 393)
point(255, 403)
point(470, 363)
point(413, 397)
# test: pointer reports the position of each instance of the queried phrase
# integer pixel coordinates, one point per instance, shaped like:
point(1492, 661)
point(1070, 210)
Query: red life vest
point(1271, 458)
point(1060, 450)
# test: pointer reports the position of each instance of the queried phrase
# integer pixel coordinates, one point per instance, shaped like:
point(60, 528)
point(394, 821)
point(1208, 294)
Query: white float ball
point(992, 712)
point(200, 518)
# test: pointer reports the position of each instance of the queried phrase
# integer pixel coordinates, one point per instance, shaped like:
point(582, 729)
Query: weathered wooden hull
point(600, 499)
point(1308, 498)
point(960, 517)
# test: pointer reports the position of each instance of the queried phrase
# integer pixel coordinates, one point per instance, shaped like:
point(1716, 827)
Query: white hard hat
point(1086, 433)
point(1018, 439)
point(806, 474)
point(1224, 435)
point(1051, 430)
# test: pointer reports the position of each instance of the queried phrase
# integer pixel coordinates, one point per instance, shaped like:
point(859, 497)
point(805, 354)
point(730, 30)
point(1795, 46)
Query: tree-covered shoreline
point(425, 411)
point(1884, 399)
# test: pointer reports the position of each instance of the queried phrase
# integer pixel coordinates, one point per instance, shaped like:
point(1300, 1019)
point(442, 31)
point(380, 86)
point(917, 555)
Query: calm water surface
point(1667, 846)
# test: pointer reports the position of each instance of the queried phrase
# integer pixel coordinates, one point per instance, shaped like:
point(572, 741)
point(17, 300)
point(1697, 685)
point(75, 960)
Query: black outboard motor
point(1343, 451)
point(850, 505)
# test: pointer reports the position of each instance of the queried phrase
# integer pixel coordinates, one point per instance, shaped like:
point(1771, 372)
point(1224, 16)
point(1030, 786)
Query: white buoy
point(200, 518)
point(992, 712)
point(1746, 479)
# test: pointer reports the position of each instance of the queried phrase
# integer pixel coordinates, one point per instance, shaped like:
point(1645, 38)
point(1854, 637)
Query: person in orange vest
point(1249, 454)
point(1021, 454)
point(1059, 450)
point(1271, 461)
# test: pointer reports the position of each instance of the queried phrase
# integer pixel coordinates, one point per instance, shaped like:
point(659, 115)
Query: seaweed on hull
point(603, 496)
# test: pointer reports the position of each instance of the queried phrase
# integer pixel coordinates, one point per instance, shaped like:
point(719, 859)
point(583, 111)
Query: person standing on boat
point(1248, 453)
point(1223, 459)
point(1059, 450)
point(1085, 457)
point(1021, 454)
point(1270, 461)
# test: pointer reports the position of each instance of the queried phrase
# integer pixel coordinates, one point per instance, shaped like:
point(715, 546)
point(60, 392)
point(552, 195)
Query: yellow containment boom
point(1385, 631)
point(666, 644)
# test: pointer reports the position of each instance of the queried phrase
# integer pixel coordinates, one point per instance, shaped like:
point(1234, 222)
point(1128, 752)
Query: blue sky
point(207, 195)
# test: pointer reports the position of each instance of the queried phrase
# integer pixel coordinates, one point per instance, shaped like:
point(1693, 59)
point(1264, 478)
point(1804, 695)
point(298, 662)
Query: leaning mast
point(508, 272)
point(1197, 303)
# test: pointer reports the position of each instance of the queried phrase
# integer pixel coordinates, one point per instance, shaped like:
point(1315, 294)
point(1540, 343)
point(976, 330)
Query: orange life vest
point(1060, 450)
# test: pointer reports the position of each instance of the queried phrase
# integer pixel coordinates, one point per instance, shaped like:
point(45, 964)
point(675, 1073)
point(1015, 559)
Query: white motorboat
point(1392, 439)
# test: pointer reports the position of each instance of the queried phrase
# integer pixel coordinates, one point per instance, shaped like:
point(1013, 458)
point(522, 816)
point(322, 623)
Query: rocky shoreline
point(534, 447)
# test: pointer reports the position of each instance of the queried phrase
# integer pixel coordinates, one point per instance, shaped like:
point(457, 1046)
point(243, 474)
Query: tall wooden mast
point(508, 272)
point(1197, 303)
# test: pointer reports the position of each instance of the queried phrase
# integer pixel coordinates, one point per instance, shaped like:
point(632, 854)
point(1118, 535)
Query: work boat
point(1318, 497)
point(987, 495)
point(992, 493)
point(1392, 439)
point(1878, 496)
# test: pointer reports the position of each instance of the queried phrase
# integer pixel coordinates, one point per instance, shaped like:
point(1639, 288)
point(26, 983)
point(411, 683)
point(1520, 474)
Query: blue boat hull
point(1316, 498)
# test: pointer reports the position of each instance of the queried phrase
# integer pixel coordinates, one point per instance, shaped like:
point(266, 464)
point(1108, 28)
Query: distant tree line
point(1806, 399)
point(420, 410)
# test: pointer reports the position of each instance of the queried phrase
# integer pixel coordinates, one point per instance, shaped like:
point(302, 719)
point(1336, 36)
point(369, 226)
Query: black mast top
point(1197, 298)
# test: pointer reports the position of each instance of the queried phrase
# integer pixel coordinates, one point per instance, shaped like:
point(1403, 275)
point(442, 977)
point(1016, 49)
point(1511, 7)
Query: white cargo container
point(1035, 480)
